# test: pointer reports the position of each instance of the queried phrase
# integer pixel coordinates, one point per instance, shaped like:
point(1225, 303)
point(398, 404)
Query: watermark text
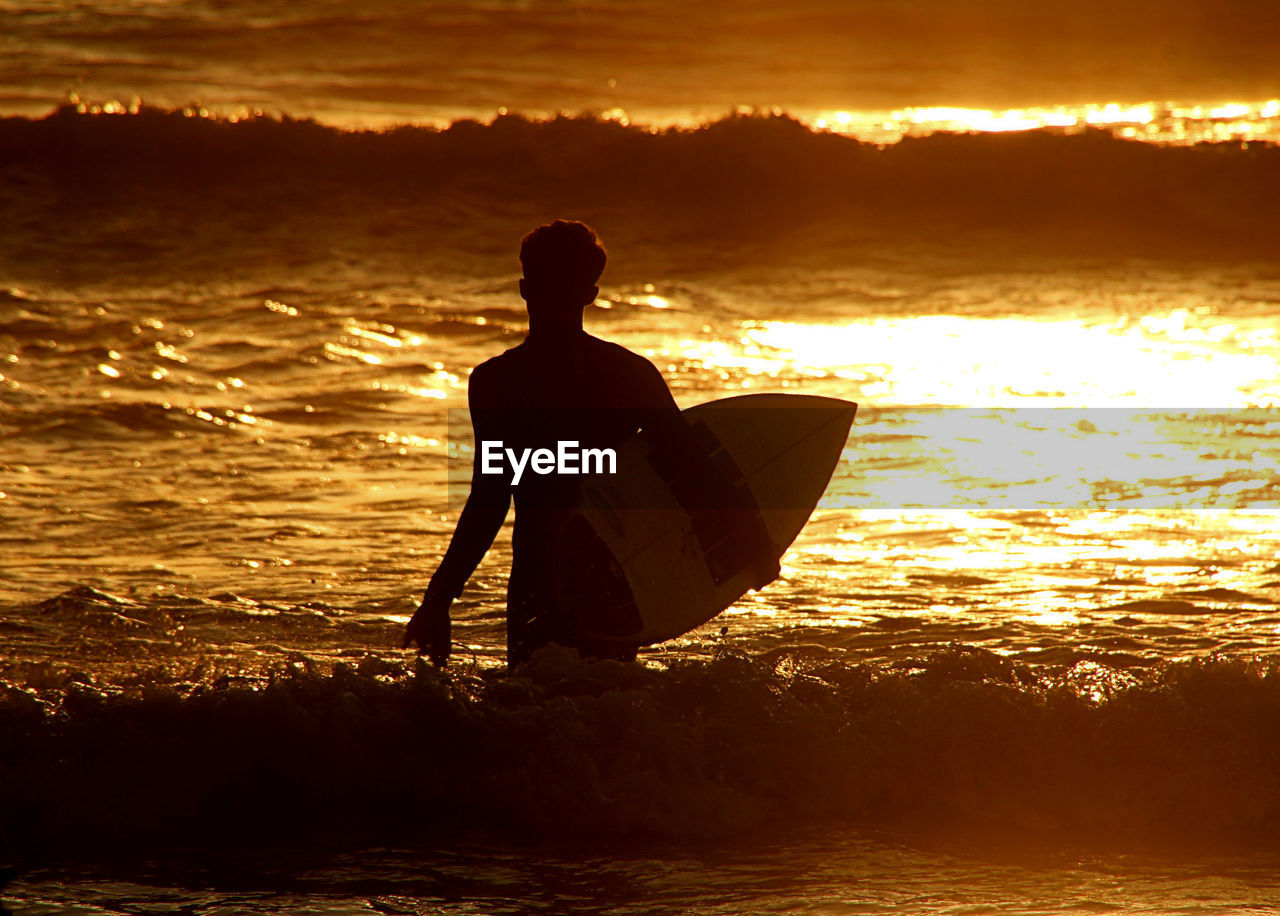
point(567, 459)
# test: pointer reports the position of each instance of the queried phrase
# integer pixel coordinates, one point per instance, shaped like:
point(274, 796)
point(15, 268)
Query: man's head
point(562, 262)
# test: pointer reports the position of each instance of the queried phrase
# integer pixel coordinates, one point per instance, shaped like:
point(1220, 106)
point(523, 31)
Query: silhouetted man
point(560, 385)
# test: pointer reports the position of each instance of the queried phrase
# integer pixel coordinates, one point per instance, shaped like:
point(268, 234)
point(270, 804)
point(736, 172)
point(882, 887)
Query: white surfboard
point(644, 559)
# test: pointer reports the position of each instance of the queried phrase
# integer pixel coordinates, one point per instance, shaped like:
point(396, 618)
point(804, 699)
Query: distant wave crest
point(157, 185)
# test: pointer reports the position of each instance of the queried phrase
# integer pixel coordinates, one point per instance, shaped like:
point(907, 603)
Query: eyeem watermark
point(567, 459)
point(983, 459)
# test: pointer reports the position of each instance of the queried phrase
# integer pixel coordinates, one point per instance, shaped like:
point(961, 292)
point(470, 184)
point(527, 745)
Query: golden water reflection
point(1167, 122)
point(1047, 571)
point(1177, 358)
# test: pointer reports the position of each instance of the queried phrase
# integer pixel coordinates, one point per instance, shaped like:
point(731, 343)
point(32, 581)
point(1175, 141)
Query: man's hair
point(563, 253)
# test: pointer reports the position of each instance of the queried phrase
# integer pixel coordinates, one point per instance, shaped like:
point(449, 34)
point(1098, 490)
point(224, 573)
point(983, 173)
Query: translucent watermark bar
point(1056, 459)
point(975, 459)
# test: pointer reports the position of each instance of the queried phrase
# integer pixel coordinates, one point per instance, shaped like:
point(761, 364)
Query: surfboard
point(664, 545)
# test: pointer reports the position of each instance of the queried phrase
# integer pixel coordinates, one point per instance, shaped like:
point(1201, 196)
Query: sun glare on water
point(952, 360)
point(1165, 122)
point(1021, 413)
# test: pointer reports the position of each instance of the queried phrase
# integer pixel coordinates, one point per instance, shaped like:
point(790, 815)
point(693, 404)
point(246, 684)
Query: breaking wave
point(955, 740)
point(158, 187)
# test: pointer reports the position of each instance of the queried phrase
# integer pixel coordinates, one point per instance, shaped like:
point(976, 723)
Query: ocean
point(1023, 659)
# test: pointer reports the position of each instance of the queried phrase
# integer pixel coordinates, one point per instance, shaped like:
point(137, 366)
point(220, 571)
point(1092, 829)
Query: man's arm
point(478, 525)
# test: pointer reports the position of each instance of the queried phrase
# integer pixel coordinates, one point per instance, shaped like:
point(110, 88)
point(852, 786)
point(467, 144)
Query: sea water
point(1021, 659)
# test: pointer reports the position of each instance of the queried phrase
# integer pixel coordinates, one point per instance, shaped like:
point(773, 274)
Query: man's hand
point(431, 630)
point(765, 570)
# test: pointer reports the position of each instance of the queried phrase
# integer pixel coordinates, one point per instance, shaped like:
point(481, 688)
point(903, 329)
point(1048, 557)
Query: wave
point(110, 421)
point(159, 188)
point(957, 740)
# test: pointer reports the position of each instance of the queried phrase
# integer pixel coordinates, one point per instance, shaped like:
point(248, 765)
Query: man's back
point(602, 387)
point(576, 389)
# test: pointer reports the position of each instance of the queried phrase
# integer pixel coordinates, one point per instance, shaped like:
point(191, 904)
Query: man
point(560, 385)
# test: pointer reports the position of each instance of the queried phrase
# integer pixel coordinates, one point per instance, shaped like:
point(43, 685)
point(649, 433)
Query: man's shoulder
point(616, 353)
point(502, 364)
point(492, 381)
point(634, 375)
